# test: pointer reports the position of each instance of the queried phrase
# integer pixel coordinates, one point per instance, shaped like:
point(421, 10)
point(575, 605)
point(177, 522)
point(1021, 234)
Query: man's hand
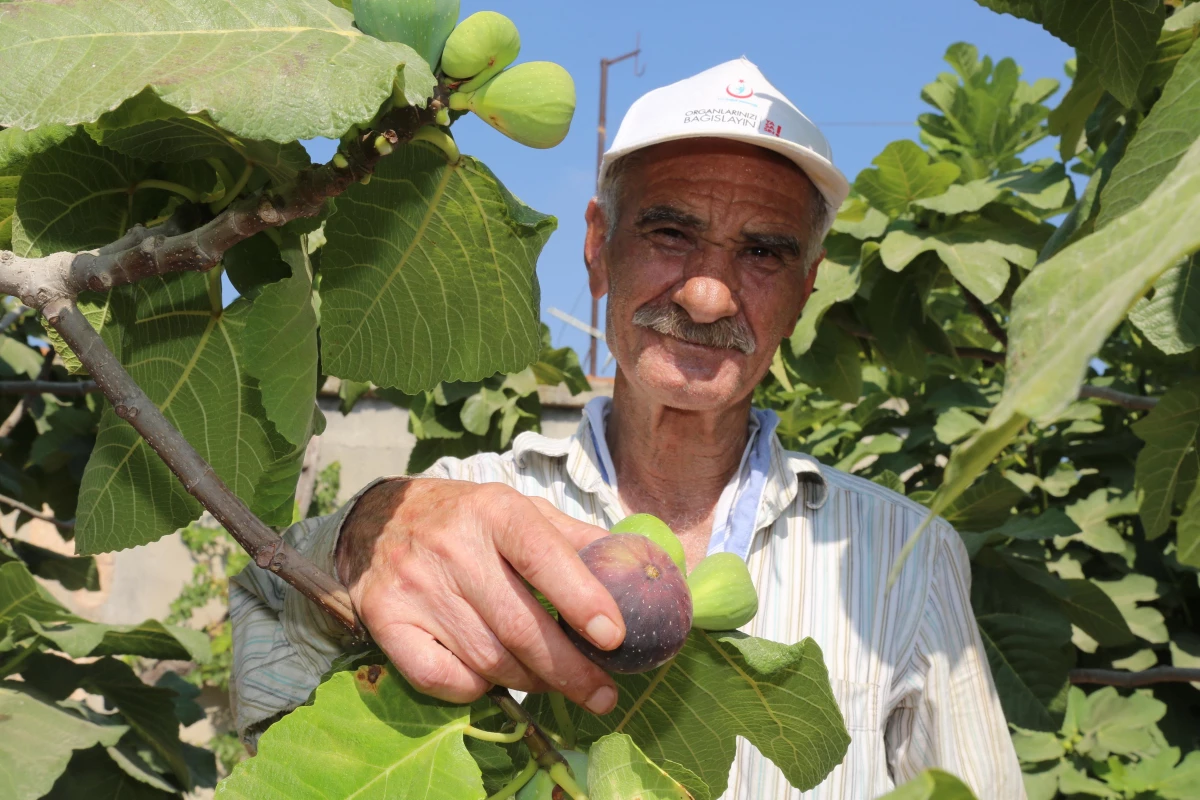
point(434, 568)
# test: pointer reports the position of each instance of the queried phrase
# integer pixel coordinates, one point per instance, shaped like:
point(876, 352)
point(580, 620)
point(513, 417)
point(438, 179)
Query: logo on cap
point(739, 90)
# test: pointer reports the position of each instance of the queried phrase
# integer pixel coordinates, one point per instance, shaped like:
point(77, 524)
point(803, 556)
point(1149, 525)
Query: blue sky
point(839, 62)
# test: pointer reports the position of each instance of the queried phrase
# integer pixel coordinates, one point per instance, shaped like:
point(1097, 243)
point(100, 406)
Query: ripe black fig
point(652, 595)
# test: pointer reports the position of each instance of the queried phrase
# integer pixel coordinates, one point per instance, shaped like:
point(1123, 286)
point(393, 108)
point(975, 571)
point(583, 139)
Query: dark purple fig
point(652, 595)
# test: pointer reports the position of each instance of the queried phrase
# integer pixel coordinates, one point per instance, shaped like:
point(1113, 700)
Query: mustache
point(669, 319)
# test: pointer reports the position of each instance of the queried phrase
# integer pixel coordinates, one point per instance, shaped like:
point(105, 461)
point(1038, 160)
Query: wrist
point(363, 521)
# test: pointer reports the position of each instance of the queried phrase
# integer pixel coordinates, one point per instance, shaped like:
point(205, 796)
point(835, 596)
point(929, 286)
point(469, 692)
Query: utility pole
point(601, 143)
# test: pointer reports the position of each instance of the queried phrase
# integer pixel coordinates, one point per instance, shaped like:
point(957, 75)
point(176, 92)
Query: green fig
point(480, 47)
point(423, 25)
point(723, 594)
point(541, 786)
point(531, 103)
point(658, 532)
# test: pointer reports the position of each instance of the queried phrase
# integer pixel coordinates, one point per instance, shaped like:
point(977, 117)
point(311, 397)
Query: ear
point(806, 291)
point(593, 249)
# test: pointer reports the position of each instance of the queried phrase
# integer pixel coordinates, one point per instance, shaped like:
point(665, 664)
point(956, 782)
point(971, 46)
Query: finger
point(428, 666)
point(579, 533)
point(475, 644)
point(524, 628)
point(544, 557)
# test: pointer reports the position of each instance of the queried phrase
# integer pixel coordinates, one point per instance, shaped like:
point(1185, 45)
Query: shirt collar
point(589, 463)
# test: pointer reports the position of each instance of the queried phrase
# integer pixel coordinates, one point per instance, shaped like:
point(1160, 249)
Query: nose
point(706, 299)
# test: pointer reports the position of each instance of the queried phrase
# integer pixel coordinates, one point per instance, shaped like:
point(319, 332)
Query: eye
point(761, 252)
point(670, 233)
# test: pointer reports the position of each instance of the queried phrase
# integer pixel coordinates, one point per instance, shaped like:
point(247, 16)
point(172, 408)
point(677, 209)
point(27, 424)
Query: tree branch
point(67, 524)
point(131, 404)
point(1136, 402)
point(1130, 680)
point(540, 748)
point(178, 246)
point(980, 310)
point(14, 418)
point(57, 388)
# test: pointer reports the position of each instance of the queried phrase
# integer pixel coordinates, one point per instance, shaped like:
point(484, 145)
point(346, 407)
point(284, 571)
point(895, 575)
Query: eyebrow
point(654, 215)
point(661, 213)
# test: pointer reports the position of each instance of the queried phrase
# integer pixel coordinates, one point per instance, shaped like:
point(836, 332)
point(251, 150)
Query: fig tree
point(542, 787)
point(423, 25)
point(723, 594)
point(652, 595)
point(658, 532)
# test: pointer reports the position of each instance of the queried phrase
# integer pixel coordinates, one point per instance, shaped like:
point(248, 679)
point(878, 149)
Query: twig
point(540, 748)
point(1130, 680)
point(985, 316)
point(1136, 402)
point(14, 417)
point(67, 524)
point(12, 316)
point(58, 388)
point(131, 404)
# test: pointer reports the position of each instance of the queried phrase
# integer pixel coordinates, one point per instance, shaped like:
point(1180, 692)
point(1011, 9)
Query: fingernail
point(604, 632)
point(602, 700)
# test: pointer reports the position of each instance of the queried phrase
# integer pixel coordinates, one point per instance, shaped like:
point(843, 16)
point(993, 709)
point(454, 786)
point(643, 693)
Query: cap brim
point(828, 179)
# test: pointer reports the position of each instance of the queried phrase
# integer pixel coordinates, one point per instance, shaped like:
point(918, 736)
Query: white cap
point(730, 101)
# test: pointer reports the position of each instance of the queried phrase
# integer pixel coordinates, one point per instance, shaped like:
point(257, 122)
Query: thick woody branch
point(131, 404)
point(178, 245)
point(1131, 680)
point(66, 524)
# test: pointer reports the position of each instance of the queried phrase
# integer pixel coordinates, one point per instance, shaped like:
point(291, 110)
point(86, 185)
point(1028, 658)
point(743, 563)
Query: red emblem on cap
point(771, 128)
point(739, 90)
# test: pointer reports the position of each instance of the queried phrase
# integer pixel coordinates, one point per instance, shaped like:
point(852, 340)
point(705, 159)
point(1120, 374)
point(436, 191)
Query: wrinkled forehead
point(696, 169)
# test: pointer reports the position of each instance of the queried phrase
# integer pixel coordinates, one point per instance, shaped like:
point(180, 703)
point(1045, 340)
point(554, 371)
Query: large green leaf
point(37, 739)
point(1162, 140)
point(977, 252)
point(368, 734)
point(832, 364)
point(1169, 432)
point(80, 638)
point(94, 773)
point(721, 686)
point(280, 343)
point(1170, 315)
point(1188, 531)
point(1067, 307)
point(618, 769)
point(71, 63)
point(902, 174)
point(932, 784)
point(21, 595)
point(428, 275)
point(1092, 514)
point(187, 354)
point(1145, 621)
point(75, 196)
point(16, 148)
point(147, 128)
point(1117, 36)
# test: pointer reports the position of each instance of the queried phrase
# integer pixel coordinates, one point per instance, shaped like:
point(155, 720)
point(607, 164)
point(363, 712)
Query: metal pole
point(601, 142)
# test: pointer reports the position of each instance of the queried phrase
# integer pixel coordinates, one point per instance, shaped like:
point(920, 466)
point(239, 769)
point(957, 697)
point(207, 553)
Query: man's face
point(704, 270)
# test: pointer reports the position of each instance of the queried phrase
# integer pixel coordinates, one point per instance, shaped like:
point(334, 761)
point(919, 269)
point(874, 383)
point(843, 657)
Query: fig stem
point(561, 774)
point(540, 748)
point(478, 715)
point(518, 783)
point(495, 736)
point(558, 704)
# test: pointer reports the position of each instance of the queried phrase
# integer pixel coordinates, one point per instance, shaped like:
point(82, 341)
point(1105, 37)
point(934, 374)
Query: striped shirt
point(907, 665)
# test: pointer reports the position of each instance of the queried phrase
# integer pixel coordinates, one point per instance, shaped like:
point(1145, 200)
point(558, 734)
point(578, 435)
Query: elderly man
point(706, 237)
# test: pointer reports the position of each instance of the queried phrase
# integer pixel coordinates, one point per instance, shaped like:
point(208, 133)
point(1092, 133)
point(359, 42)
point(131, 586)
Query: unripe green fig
point(423, 25)
point(542, 787)
point(480, 47)
point(440, 139)
point(658, 532)
point(723, 594)
point(532, 103)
